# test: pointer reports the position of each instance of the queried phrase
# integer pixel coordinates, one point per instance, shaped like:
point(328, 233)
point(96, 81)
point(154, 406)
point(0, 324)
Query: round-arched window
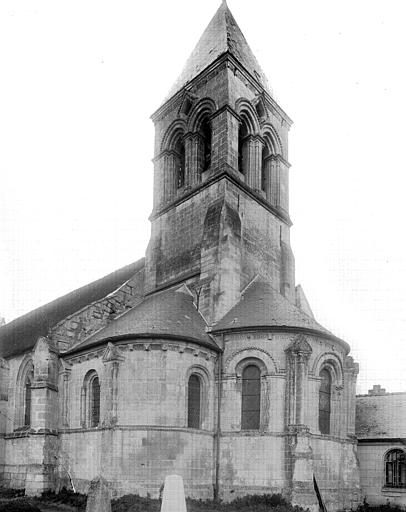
point(194, 401)
point(325, 402)
point(251, 398)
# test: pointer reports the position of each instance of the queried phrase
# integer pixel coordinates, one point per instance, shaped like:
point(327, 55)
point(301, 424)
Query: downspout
point(218, 428)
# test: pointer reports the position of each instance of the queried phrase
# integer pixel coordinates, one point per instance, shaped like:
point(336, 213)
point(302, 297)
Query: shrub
point(18, 505)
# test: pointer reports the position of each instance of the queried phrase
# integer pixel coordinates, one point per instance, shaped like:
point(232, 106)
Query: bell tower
point(221, 186)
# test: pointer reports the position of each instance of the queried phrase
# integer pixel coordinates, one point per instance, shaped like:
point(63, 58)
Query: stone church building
point(204, 358)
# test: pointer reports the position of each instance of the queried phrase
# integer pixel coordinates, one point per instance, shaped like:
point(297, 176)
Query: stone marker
point(174, 495)
point(98, 497)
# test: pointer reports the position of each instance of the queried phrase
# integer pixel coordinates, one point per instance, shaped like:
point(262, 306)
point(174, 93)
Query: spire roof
point(221, 35)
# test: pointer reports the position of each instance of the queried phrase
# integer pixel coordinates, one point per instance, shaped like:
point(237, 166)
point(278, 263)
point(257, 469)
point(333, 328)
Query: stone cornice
point(230, 175)
point(137, 342)
point(130, 428)
point(283, 329)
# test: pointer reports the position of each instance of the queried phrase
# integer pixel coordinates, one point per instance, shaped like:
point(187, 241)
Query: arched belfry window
point(90, 409)
point(325, 401)
point(180, 163)
point(251, 398)
point(206, 135)
point(27, 398)
point(194, 401)
point(395, 468)
point(242, 148)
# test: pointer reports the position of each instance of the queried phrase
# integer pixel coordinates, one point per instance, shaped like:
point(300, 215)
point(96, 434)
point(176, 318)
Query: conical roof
point(261, 306)
point(221, 35)
point(167, 314)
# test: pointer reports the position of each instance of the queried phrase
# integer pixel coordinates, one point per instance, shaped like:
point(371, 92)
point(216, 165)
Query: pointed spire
point(221, 35)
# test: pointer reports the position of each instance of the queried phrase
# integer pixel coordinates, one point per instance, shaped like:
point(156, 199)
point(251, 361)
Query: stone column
point(283, 184)
point(43, 445)
point(351, 370)
point(111, 359)
point(66, 373)
point(267, 170)
point(4, 383)
point(274, 182)
point(254, 161)
point(299, 461)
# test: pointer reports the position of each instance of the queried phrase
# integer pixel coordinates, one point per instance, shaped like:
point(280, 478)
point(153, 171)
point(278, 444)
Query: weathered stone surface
point(173, 499)
point(98, 497)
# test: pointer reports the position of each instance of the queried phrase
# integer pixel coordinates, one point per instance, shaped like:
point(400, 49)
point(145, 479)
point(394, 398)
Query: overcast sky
point(79, 80)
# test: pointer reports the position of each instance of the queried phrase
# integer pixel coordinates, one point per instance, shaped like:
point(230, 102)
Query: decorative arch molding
point(333, 363)
point(251, 355)
point(90, 400)
point(272, 139)
point(204, 377)
point(25, 370)
point(204, 108)
point(247, 113)
point(177, 129)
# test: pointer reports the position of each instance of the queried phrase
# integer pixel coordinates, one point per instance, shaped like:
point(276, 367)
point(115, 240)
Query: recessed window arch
point(194, 407)
point(395, 468)
point(23, 400)
point(27, 398)
point(325, 401)
point(242, 147)
point(90, 406)
point(251, 397)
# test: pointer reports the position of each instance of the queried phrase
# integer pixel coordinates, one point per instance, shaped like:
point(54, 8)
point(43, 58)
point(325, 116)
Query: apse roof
point(221, 35)
point(22, 333)
point(263, 306)
point(167, 314)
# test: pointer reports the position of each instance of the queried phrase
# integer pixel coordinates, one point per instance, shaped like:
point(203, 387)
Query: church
point(204, 358)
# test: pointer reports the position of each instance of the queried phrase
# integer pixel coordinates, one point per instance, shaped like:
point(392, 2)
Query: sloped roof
point(221, 35)
point(263, 306)
point(22, 333)
point(168, 314)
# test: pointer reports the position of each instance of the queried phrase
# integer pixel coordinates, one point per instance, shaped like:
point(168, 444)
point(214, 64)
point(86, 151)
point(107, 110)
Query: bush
point(255, 503)
point(11, 493)
point(67, 497)
point(18, 505)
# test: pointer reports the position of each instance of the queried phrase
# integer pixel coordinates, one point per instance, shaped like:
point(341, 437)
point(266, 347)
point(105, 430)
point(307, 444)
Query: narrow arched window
point(251, 398)
point(94, 402)
point(27, 400)
point(206, 134)
point(90, 400)
point(395, 469)
point(242, 148)
point(180, 163)
point(194, 401)
point(325, 402)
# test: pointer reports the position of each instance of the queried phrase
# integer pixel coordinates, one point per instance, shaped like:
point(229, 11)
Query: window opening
point(395, 469)
point(325, 402)
point(251, 398)
point(194, 396)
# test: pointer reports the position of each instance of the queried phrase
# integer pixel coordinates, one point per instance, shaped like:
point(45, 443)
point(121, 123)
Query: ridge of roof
point(21, 334)
point(221, 35)
point(167, 313)
point(262, 306)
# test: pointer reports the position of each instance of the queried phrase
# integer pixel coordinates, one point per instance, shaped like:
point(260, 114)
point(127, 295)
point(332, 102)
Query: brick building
point(203, 359)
